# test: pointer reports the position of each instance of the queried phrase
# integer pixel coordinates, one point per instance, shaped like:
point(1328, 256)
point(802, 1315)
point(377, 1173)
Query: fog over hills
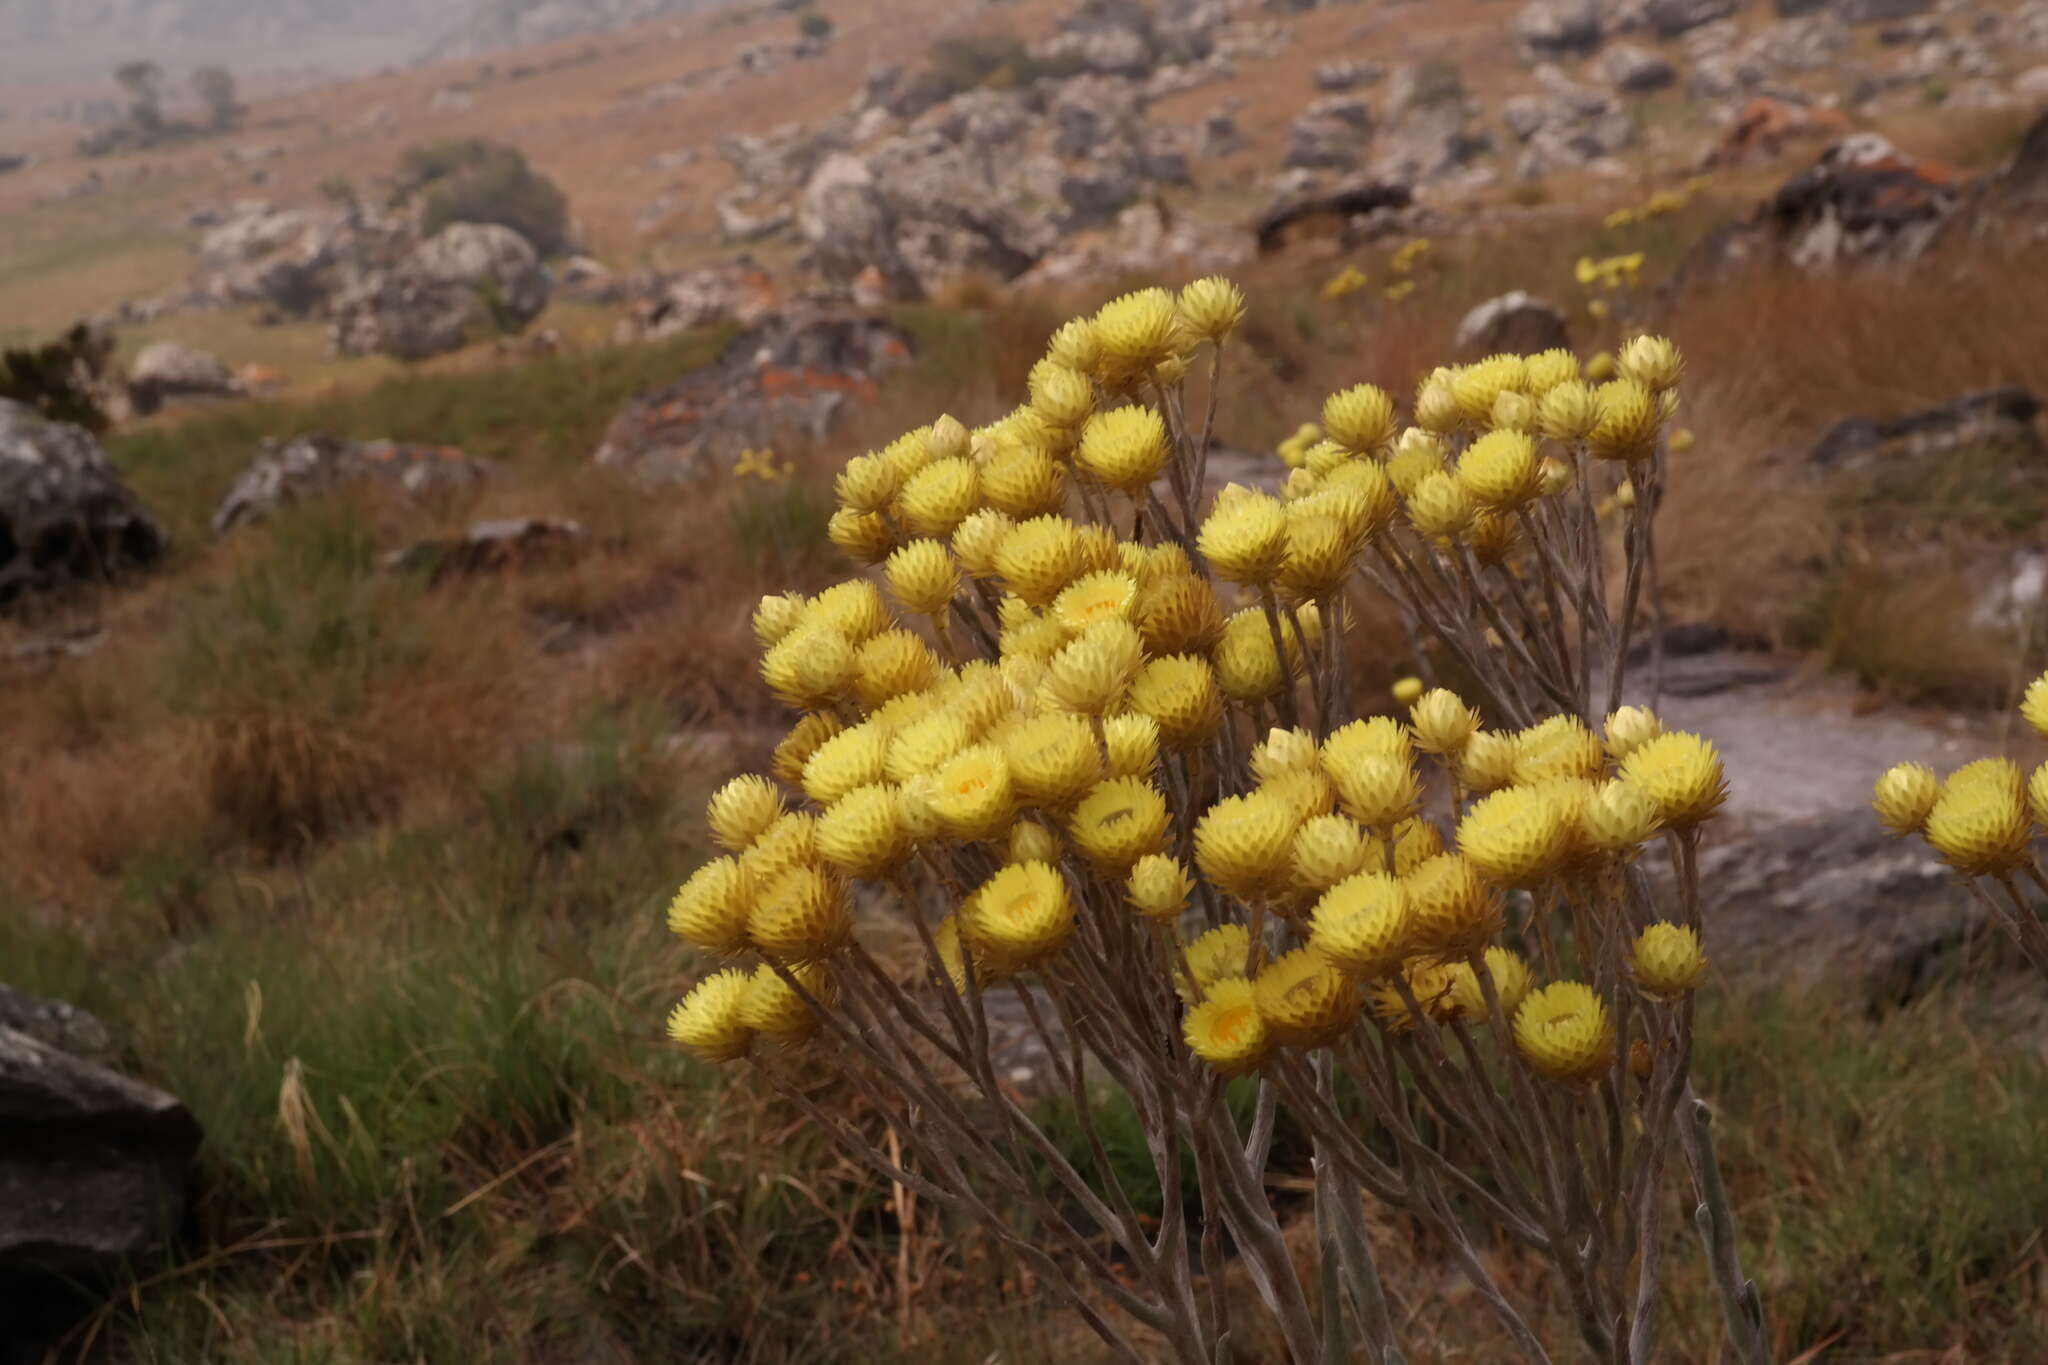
point(43, 39)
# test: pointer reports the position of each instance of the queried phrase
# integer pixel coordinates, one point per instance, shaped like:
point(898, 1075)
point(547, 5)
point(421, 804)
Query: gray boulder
point(167, 370)
point(2001, 417)
point(95, 1166)
point(285, 469)
point(1881, 11)
point(467, 277)
point(1517, 323)
point(1428, 142)
point(1336, 78)
point(1669, 18)
point(1549, 29)
point(850, 225)
point(1568, 128)
point(1331, 134)
point(66, 517)
point(1635, 70)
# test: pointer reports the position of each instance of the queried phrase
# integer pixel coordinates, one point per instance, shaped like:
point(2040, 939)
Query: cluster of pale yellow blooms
point(1982, 820)
point(1117, 761)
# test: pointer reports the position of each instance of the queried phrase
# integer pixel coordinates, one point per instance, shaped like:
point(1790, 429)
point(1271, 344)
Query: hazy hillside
point(64, 38)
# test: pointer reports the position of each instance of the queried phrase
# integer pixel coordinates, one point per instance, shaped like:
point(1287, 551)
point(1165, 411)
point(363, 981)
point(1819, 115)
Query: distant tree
point(215, 86)
point(478, 181)
point(60, 379)
point(144, 82)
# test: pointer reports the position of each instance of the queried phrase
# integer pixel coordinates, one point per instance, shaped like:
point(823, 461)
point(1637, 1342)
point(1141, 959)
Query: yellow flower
point(1074, 345)
point(1559, 746)
point(852, 758)
point(1361, 495)
point(1563, 1032)
point(1283, 751)
point(1517, 836)
point(854, 608)
point(1628, 422)
point(1418, 455)
point(976, 540)
point(1905, 797)
point(869, 483)
point(1510, 975)
point(1131, 745)
point(1023, 482)
point(2034, 705)
point(1053, 760)
point(809, 668)
point(775, 616)
point(761, 465)
point(2037, 794)
point(893, 664)
point(1441, 721)
point(800, 916)
point(866, 537)
point(1091, 673)
point(1453, 913)
point(1319, 554)
point(1158, 887)
point(1344, 283)
point(925, 743)
point(1436, 403)
point(974, 798)
point(772, 1007)
point(1211, 307)
point(1179, 694)
point(795, 748)
point(1416, 841)
point(862, 834)
point(923, 577)
point(1488, 761)
point(792, 839)
point(1137, 331)
point(1373, 737)
point(1629, 729)
point(1039, 557)
point(1680, 772)
point(1099, 596)
point(1063, 396)
point(1244, 844)
point(710, 911)
point(1512, 411)
point(1652, 362)
point(1226, 1030)
point(1600, 368)
point(1545, 370)
point(1362, 925)
point(1619, 815)
point(708, 1020)
point(1119, 822)
point(1124, 447)
point(1216, 955)
point(1979, 822)
point(1360, 418)
point(1304, 1001)
point(1667, 960)
point(1178, 614)
point(1557, 476)
point(1377, 791)
point(1327, 849)
point(939, 496)
point(1245, 538)
point(1020, 916)
point(1247, 666)
point(741, 809)
point(1440, 507)
point(1568, 410)
point(1500, 470)
point(1680, 440)
point(1031, 842)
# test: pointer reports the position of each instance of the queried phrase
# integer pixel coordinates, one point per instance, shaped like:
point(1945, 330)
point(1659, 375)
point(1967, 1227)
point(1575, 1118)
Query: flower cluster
point(1660, 204)
point(1088, 725)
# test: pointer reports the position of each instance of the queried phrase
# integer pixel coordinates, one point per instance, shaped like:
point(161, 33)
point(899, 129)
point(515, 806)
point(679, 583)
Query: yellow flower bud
point(1119, 822)
point(1441, 721)
point(1559, 746)
point(1020, 916)
point(2034, 705)
point(1124, 448)
point(1061, 395)
point(1440, 507)
point(1245, 538)
point(1513, 412)
point(1905, 797)
point(1628, 422)
point(1100, 596)
point(865, 537)
point(862, 833)
point(1360, 418)
point(854, 608)
point(1218, 955)
point(1510, 975)
point(795, 748)
point(1545, 370)
point(1158, 887)
point(1074, 346)
point(1091, 674)
point(810, 667)
point(741, 809)
point(1247, 666)
point(1563, 1032)
point(1618, 816)
point(1600, 368)
point(1362, 496)
point(1555, 476)
point(1436, 405)
point(1179, 693)
point(708, 1022)
point(801, 915)
point(945, 439)
point(1500, 470)
point(867, 484)
point(775, 616)
point(1362, 926)
point(1226, 1029)
point(1329, 848)
point(1476, 386)
point(923, 577)
point(893, 664)
point(1629, 729)
point(1667, 961)
point(1031, 842)
point(1304, 1001)
point(1979, 822)
point(1244, 844)
point(1680, 772)
point(1137, 331)
point(773, 1009)
point(1319, 554)
point(976, 539)
point(1039, 557)
point(1378, 792)
point(1517, 836)
point(939, 496)
point(1131, 743)
point(1652, 362)
point(1452, 910)
point(1416, 840)
point(1211, 308)
point(710, 911)
point(1053, 760)
point(1022, 481)
point(1568, 412)
point(1178, 613)
point(1488, 761)
point(1283, 751)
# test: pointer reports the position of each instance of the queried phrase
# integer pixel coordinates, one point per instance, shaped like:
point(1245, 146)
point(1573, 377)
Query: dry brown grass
point(283, 780)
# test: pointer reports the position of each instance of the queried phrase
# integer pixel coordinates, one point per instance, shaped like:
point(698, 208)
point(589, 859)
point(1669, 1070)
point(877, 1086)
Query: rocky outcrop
point(1635, 70)
point(1568, 127)
point(1342, 214)
point(790, 374)
point(2001, 417)
point(95, 1166)
point(286, 469)
point(466, 278)
point(1331, 134)
point(1669, 18)
point(667, 305)
point(1516, 323)
point(66, 516)
point(165, 371)
point(1550, 29)
point(490, 547)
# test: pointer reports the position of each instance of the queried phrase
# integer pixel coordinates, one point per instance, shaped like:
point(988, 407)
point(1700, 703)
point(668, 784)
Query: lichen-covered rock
point(168, 370)
point(1517, 323)
point(467, 278)
point(66, 516)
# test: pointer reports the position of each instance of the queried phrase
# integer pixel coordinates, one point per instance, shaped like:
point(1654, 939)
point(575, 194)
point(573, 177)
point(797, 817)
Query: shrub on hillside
point(474, 180)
